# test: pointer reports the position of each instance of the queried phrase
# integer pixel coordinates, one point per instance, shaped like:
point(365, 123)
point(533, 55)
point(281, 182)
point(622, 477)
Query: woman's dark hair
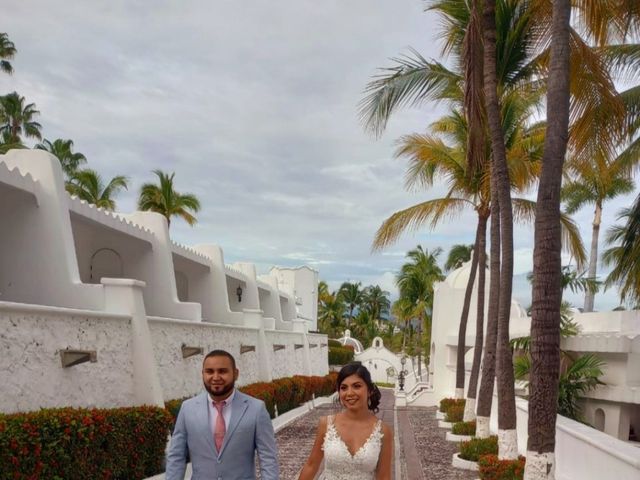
point(356, 368)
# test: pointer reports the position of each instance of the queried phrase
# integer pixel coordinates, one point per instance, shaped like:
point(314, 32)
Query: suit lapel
point(202, 412)
point(238, 408)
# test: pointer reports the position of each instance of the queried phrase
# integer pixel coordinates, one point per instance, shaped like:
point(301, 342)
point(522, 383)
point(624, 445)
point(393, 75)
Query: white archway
point(105, 263)
point(599, 419)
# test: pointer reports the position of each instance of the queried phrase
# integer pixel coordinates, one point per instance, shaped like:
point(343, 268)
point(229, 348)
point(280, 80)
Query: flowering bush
point(473, 449)
point(454, 414)
point(72, 443)
point(445, 403)
point(493, 469)
point(464, 428)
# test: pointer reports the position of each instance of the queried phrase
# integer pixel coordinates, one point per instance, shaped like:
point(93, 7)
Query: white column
point(124, 296)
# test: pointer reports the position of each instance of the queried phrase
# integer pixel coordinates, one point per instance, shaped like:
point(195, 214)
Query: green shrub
point(445, 403)
point(74, 443)
point(334, 343)
point(473, 449)
point(464, 428)
point(385, 385)
point(340, 355)
point(493, 469)
point(454, 414)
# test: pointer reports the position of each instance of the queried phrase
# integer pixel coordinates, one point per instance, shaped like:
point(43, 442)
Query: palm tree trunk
point(485, 395)
point(547, 290)
point(472, 392)
point(593, 257)
point(464, 316)
point(507, 438)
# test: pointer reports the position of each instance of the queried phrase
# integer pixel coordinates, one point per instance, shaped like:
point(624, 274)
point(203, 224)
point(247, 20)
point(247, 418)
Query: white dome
point(460, 276)
point(348, 340)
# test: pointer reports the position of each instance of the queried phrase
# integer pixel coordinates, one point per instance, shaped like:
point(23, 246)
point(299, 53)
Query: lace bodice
point(339, 464)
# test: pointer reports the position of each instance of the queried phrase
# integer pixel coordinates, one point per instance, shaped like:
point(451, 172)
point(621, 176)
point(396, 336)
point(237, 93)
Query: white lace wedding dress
point(339, 464)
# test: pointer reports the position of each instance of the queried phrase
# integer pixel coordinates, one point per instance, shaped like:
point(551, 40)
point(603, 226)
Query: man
point(221, 429)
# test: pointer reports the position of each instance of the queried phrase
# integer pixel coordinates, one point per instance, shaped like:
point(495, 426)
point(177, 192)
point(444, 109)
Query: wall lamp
point(239, 293)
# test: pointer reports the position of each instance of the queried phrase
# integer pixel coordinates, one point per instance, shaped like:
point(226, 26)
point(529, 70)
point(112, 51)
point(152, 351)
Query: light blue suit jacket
point(249, 430)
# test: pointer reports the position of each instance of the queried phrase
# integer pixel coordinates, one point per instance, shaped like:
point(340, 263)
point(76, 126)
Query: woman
point(355, 445)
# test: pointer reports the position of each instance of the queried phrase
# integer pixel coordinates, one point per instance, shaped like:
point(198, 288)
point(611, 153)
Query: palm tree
point(323, 291)
point(547, 291)
point(16, 118)
point(331, 315)
point(63, 150)
point(501, 191)
point(7, 51)
point(89, 186)
point(624, 255)
point(352, 295)
point(403, 310)
point(163, 199)
point(458, 255)
point(376, 301)
point(415, 282)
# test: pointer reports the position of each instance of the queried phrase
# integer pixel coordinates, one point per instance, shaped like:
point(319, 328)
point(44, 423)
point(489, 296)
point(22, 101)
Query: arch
point(105, 263)
point(377, 342)
point(182, 286)
point(599, 419)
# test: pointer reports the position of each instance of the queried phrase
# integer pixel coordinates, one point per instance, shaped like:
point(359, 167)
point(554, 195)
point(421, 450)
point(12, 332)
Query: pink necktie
point(221, 428)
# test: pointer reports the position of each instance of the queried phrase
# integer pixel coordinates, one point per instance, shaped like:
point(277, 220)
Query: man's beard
point(220, 393)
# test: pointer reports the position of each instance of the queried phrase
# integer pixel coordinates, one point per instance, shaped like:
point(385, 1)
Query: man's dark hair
point(221, 353)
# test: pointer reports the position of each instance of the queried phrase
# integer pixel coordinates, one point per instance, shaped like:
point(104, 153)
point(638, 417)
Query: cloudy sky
point(254, 106)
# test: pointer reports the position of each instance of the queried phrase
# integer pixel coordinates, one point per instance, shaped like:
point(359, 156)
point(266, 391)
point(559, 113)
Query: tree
point(623, 255)
point(376, 301)
point(547, 290)
point(415, 282)
point(323, 291)
point(352, 295)
point(403, 309)
point(458, 255)
point(7, 51)
point(162, 198)
point(63, 150)
point(501, 191)
point(331, 315)
point(16, 118)
point(89, 186)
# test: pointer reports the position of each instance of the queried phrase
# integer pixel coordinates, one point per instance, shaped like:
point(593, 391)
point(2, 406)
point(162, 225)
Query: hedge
point(340, 355)
point(454, 414)
point(491, 468)
point(464, 428)
point(445, 403)
point(74, 443)
point(473, 449)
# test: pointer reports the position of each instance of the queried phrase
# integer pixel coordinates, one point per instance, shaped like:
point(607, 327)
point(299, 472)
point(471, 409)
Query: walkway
point(423, 452)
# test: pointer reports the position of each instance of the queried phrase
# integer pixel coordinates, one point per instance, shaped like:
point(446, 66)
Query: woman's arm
point(383, 472)
point(312, 465)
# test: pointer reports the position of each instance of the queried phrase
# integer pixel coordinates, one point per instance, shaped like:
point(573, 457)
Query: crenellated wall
point(73, 276)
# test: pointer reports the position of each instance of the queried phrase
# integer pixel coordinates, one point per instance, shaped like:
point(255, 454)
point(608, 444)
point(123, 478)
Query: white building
point(382, 363)
point(581, 451)
point(133, 310)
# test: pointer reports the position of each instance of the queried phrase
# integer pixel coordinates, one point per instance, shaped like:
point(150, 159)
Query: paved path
point(422, 453)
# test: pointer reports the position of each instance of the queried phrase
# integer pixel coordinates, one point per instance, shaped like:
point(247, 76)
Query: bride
point(354, 443)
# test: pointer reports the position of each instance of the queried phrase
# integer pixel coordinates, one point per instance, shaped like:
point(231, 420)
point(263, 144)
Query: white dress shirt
point(226, 412)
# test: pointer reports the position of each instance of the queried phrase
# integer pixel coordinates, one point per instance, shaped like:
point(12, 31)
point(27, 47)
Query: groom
point(221, 429)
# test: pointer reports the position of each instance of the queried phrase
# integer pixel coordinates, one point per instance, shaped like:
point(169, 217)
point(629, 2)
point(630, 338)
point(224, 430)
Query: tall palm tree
point(63, 150)
point(623, 255)
point(403, 310)
point(415, 282)
point(7, 51)
point(331, 315)
point(17, 119)
point(162, 198)
point(376, 301)
point(501, 191)
point(352, 295)
point(458, 255)
point(323, 291)
point(547, 290)
point(89, 186)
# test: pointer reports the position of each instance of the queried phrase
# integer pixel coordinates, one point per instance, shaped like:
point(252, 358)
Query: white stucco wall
point(181, 377)
point(288, 361)
point(319, 356)
point(377, 358)
point(31, 372)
